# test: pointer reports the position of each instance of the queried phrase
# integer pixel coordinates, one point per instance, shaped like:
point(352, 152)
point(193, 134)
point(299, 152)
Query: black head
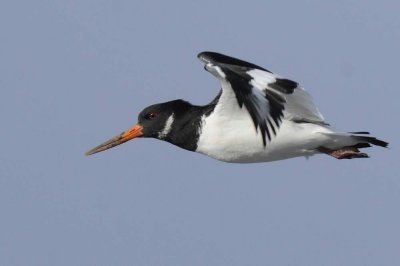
point(154, 121)
point(157, 119)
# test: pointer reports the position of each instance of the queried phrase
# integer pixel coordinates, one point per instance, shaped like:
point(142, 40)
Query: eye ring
point(150, 115)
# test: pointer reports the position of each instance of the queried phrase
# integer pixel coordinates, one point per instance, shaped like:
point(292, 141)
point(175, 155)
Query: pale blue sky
point(75, 73)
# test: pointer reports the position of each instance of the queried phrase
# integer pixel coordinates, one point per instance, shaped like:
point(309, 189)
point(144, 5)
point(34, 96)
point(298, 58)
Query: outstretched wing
point(264, 94)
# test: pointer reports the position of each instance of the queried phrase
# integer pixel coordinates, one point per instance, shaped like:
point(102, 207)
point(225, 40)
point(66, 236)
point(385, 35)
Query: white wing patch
point(215, 70)
point(299, 105)
point(261, 78)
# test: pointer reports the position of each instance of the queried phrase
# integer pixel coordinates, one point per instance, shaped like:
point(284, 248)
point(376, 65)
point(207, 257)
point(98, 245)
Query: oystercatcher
point(258, 116)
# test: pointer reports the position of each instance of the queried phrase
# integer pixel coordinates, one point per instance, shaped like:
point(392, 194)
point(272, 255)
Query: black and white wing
point(267, 97)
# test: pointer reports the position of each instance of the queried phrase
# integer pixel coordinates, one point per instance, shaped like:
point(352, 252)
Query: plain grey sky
point(75, 73)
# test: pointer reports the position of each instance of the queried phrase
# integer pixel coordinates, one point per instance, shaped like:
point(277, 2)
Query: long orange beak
point(131, 133)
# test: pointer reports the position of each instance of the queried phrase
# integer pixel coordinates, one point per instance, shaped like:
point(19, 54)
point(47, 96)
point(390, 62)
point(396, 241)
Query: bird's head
point(154, 121)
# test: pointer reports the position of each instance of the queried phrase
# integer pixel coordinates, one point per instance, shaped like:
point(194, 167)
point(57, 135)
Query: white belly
point(234, 138)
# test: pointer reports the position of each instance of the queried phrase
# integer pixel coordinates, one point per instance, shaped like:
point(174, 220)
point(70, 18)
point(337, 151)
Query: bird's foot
point(344, 153)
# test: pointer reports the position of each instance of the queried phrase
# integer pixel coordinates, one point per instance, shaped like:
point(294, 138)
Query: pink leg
point(344, 153)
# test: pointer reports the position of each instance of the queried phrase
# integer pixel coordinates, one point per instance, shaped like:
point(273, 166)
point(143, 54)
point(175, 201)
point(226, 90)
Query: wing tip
point(205, 56)
point(214, 57)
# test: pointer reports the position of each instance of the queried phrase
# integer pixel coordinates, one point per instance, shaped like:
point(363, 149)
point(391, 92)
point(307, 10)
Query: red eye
point(151, 115)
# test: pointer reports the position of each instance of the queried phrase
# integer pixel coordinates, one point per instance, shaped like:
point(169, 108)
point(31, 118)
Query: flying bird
point(258, 116)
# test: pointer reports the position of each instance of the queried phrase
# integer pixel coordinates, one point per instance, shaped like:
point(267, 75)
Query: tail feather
point(360, 132)
point(362, 145)
point(347, 145)
point(371, 140)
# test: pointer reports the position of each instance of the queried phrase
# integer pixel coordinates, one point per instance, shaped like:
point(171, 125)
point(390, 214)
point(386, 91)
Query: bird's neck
point(186, 128)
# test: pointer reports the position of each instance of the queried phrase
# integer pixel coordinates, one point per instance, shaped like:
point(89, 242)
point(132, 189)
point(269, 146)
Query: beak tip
point(89, 152)
point(135, 131)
